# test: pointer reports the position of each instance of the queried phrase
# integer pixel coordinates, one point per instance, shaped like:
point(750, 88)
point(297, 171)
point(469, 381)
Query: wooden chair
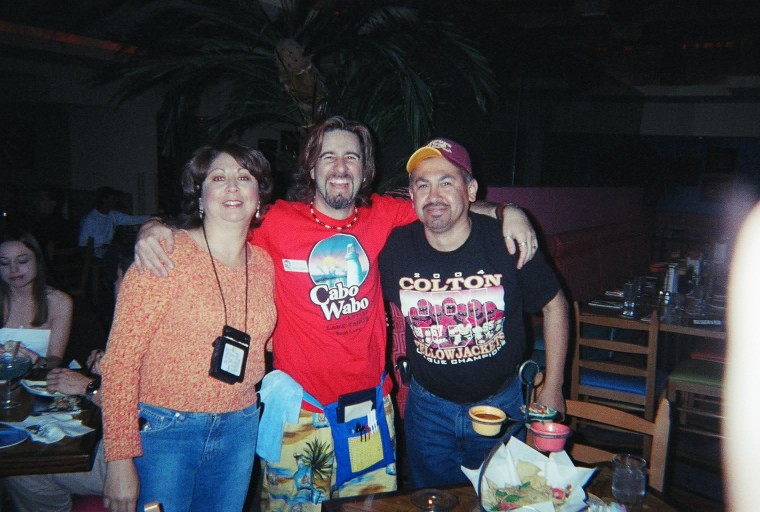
point(621, 372)
point(656, 432)
point(695, 387)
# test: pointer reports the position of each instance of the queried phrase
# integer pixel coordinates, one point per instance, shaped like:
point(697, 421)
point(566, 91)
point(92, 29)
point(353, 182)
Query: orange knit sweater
point(160, 346)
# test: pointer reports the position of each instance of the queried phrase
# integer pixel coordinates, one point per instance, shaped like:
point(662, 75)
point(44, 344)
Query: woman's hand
point(149, 254)
point(122, 486)
point(67, 381)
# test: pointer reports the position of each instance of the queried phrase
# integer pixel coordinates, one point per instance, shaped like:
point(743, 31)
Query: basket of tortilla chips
point(517, 476)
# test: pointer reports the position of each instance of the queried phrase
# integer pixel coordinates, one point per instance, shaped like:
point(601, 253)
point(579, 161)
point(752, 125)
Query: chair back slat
point(610, 375)
point(657, 431)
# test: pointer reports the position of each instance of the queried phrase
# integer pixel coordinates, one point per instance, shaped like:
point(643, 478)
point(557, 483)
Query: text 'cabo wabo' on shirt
point(331, 334)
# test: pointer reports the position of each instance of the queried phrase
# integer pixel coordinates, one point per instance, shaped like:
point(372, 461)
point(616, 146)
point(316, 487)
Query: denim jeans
point(440, 438)
point(196, 461)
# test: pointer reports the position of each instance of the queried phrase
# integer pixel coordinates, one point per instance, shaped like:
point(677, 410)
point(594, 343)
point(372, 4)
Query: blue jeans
point(196, 461)
point(440, 438)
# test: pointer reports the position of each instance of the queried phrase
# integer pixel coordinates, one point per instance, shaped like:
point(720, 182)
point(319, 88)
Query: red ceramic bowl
point(550, 436)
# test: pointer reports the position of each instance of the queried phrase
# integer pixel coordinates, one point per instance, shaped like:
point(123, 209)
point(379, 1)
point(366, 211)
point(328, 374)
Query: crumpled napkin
point(558, 469)
point(51, 428)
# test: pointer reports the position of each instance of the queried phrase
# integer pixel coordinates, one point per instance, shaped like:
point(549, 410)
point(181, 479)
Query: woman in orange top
point(185, 353)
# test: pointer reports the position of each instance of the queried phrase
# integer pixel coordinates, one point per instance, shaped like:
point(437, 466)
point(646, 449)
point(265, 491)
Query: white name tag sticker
point(232, 360)
point(295, 266)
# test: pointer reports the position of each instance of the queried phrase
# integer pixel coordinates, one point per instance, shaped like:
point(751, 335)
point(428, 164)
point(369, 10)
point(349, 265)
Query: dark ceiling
point(633, 42)
point(629, 42)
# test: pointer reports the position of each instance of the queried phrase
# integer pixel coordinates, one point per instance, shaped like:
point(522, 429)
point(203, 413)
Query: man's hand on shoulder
point(149, 253)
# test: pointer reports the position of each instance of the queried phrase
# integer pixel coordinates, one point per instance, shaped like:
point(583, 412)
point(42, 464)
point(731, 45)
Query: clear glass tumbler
point(629, 481)
point(629, 298)
point(12, 367)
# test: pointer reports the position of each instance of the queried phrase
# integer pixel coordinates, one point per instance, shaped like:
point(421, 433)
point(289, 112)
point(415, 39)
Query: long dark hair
point(304, 187)
point(39, 286)
point(197, 169)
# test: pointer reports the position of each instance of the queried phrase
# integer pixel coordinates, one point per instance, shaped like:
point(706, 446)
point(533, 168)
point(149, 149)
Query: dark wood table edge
point(601, 477)
point(37, 461)
point(717, 333)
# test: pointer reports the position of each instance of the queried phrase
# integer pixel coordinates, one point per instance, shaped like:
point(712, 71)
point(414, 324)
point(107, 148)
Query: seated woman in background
point(180, 412)
point(26, 300)
point(53, 492)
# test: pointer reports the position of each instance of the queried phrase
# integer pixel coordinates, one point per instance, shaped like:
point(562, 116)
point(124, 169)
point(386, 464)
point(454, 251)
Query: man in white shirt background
point(102, 220)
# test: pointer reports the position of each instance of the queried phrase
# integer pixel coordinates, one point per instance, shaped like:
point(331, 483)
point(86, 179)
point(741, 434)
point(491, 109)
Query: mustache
point(435, 204)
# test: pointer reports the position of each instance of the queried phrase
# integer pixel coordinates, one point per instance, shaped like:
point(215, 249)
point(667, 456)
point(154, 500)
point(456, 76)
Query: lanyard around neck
point(219, 283)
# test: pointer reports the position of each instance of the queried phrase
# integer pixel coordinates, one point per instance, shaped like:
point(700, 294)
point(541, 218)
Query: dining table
point(70, 454)
point(681, 323)
point(600, 486)
point(709, 322)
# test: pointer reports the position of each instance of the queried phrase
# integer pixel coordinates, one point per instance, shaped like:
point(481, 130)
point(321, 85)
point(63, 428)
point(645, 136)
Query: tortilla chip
point(526, 470)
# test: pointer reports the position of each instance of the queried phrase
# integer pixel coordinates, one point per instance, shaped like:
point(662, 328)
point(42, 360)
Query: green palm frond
point(319, 457)
point(384, 62)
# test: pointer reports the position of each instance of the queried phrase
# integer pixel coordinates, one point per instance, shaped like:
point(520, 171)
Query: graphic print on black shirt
point(461, 324)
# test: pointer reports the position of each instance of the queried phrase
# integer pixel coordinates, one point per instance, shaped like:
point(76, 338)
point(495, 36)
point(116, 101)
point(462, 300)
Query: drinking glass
point(629, 298)
point(12, 367)
point(629, 483)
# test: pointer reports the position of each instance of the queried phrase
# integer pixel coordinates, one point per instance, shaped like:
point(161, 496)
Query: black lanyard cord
point(219, 283)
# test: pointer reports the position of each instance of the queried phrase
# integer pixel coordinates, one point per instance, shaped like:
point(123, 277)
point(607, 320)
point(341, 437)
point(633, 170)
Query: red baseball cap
point(441, 148)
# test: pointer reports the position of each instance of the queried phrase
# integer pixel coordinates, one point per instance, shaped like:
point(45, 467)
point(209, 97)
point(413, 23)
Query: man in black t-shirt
point(463, 300)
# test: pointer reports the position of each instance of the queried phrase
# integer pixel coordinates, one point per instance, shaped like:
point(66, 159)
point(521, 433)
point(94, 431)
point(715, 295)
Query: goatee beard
point(338, 202)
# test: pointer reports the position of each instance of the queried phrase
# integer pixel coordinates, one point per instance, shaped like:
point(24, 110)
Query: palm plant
point(319, 457)
point(384, 62)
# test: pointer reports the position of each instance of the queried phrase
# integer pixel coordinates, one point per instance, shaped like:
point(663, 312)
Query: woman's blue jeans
point(196, 461)
point(440, 438)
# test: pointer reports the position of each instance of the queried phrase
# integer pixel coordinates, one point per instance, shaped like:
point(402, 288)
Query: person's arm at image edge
point(741, 381)
point(516, 229)
point(556, 332)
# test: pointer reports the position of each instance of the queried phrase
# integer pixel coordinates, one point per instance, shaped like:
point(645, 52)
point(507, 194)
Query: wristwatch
point(92, 388)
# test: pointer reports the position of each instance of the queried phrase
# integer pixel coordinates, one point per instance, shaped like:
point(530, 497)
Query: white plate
point(39, 388)
point(10, 436)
